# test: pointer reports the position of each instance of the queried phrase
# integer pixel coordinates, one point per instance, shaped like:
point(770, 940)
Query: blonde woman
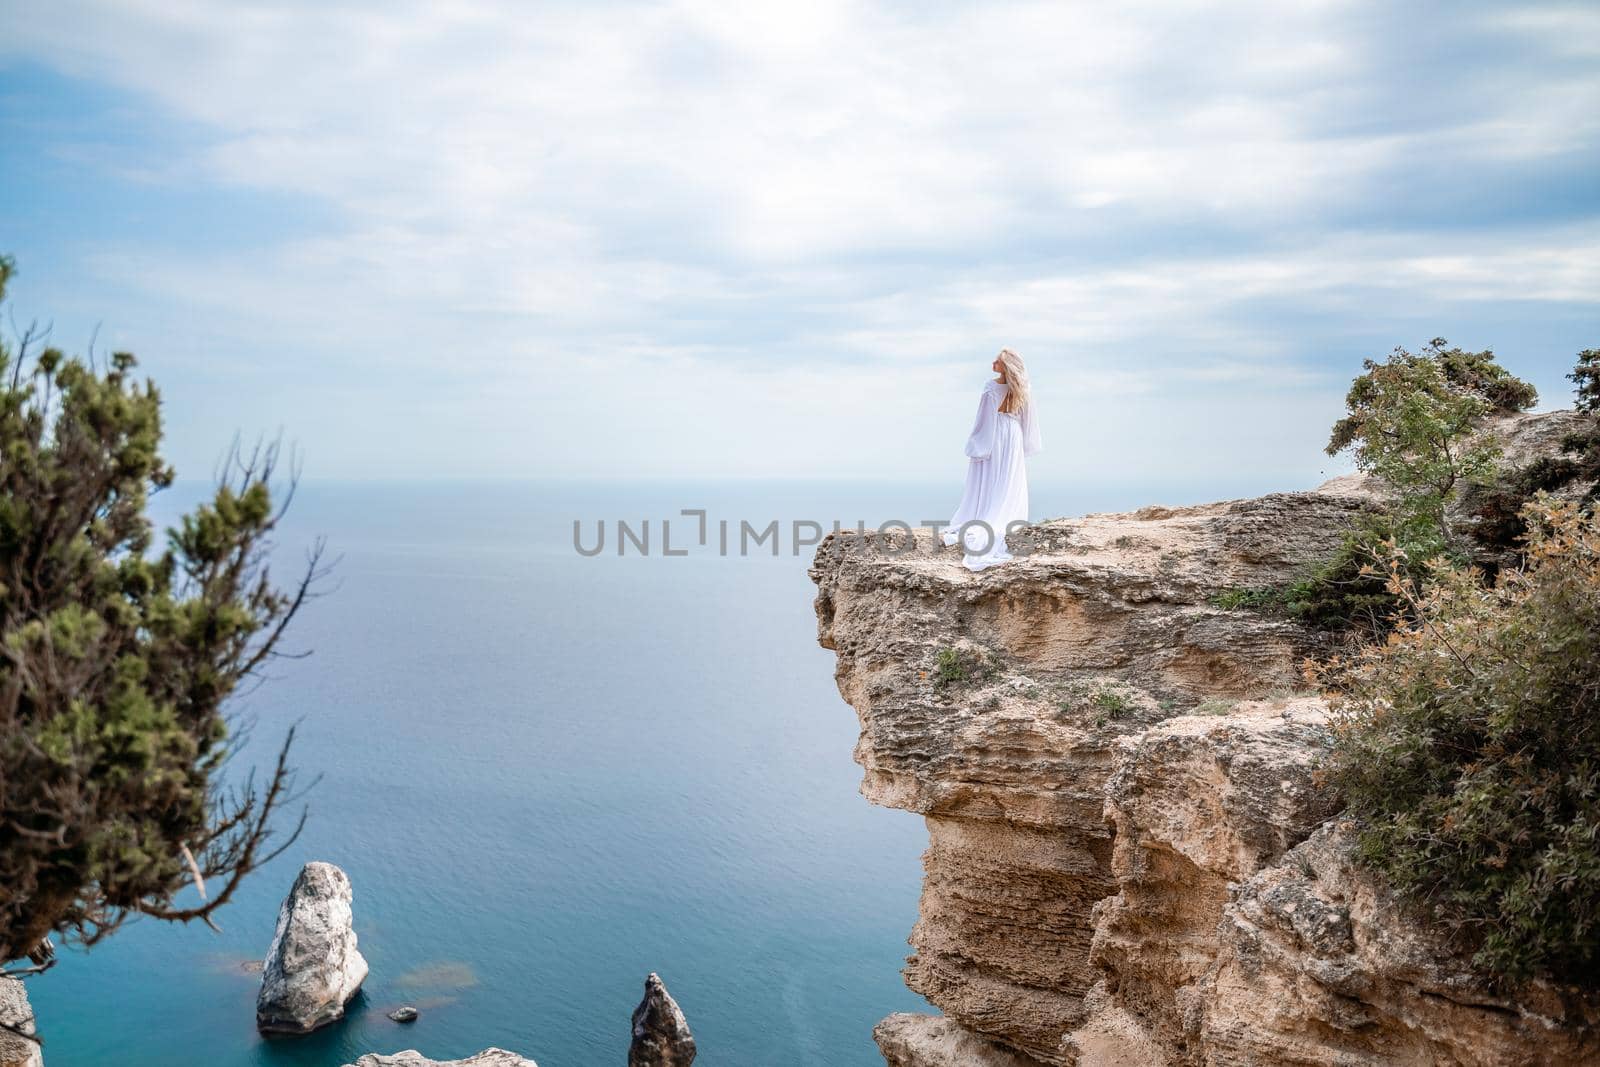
point(1004, 433)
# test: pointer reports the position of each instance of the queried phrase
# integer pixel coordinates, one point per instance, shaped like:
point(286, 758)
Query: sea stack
point(661, 1035)
point(313, 968)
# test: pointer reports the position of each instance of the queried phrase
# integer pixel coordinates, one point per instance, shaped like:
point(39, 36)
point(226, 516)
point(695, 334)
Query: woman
point(1006, 430)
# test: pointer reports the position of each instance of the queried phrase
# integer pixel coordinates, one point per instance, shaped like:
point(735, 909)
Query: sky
point(697, 240)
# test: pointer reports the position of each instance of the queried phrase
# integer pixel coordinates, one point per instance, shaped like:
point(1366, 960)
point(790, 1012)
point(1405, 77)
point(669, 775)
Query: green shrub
point(1468, 751)
point(1497, 505)
point(1414, 422)
point(1347, 591)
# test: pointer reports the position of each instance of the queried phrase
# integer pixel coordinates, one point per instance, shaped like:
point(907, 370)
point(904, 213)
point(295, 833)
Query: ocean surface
point(548, 774)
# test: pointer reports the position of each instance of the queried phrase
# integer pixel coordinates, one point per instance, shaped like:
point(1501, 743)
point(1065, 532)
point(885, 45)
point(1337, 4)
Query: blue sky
point(694, 239)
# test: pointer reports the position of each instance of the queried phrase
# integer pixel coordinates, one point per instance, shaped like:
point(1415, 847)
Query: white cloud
point(767, 131)
point(794, 222)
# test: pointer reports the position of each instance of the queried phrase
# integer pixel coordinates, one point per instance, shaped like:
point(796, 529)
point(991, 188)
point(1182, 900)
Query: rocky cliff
point(18, 1044)
point(1129, 859)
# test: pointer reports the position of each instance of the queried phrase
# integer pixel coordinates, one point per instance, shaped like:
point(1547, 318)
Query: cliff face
point(1129, 860)
point(17, 1045)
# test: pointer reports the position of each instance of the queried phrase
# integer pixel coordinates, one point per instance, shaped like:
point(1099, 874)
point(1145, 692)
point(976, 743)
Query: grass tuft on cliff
point(957, 666)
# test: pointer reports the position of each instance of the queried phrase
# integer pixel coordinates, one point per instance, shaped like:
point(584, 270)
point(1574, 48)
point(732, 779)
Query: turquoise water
point(546, 776)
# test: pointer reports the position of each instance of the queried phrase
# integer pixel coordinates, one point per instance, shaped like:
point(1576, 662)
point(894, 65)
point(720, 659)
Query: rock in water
point(489, 1057)
point(406, 1014)
point(933, 1041)
point(661, 1035)
point(17, 1049)
point(312, 969)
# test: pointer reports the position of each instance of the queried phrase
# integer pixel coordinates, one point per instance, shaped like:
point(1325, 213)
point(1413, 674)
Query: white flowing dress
point(997, 479)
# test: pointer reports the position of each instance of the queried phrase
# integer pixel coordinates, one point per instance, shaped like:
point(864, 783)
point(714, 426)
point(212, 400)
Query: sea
point(549, 771)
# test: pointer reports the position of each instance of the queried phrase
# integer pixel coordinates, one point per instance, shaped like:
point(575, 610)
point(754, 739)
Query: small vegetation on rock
point(1114, 703)
point(1108, 700)
point(952, 666)
point(948, 668)
point(1258, 597)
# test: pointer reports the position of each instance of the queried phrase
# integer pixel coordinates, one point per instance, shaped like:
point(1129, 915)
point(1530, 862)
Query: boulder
point(313, 968)
point(908, 1040)
point(661, 1035)
point(489, 1057)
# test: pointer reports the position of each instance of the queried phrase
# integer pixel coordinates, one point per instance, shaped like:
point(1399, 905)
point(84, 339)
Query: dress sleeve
point(1030, 429)
point(980, 442)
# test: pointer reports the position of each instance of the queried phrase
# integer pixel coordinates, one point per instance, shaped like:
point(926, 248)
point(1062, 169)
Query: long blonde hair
point(1016, 376)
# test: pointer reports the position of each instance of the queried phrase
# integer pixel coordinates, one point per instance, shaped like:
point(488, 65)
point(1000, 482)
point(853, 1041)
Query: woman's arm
point(980, 442)
point(1030, 429)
